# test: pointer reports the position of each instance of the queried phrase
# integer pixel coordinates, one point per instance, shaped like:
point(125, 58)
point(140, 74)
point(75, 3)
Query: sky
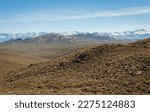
point(74, 15)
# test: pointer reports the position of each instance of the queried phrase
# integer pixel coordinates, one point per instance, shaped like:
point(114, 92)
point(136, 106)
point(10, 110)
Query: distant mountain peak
point(8, 36)
point(70, 33)
point(78, 36)
point(141, 31)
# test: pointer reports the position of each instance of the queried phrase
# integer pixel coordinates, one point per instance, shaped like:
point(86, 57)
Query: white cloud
point(42, 16)
point(121, 12)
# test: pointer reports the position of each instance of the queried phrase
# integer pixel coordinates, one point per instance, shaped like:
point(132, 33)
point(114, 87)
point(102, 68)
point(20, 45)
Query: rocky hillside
point(104, 69)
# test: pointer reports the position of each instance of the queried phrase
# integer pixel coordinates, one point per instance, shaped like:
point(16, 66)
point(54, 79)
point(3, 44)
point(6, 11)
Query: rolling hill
point(100, 69)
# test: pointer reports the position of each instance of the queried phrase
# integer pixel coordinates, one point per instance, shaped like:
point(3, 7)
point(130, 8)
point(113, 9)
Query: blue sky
point(74, 15)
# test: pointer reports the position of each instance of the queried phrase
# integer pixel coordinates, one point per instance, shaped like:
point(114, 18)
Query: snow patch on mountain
point(70, 33)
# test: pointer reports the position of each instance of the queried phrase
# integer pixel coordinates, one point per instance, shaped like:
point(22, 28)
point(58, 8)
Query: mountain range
point(9, 36)
point(74, 36)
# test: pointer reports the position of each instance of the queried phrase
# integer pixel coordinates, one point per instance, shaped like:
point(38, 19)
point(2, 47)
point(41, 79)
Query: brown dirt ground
point(103, 69)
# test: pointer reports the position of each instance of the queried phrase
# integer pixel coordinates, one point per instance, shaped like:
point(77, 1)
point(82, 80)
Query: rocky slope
point(104, 69)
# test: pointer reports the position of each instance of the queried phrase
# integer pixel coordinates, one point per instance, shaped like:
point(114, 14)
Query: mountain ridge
point(79, 36)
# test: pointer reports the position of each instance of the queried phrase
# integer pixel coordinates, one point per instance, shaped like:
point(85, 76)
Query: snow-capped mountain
point(107, 36)
point(132, 35)
point(70, 33)
point(8, 36)
point(77, 36)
